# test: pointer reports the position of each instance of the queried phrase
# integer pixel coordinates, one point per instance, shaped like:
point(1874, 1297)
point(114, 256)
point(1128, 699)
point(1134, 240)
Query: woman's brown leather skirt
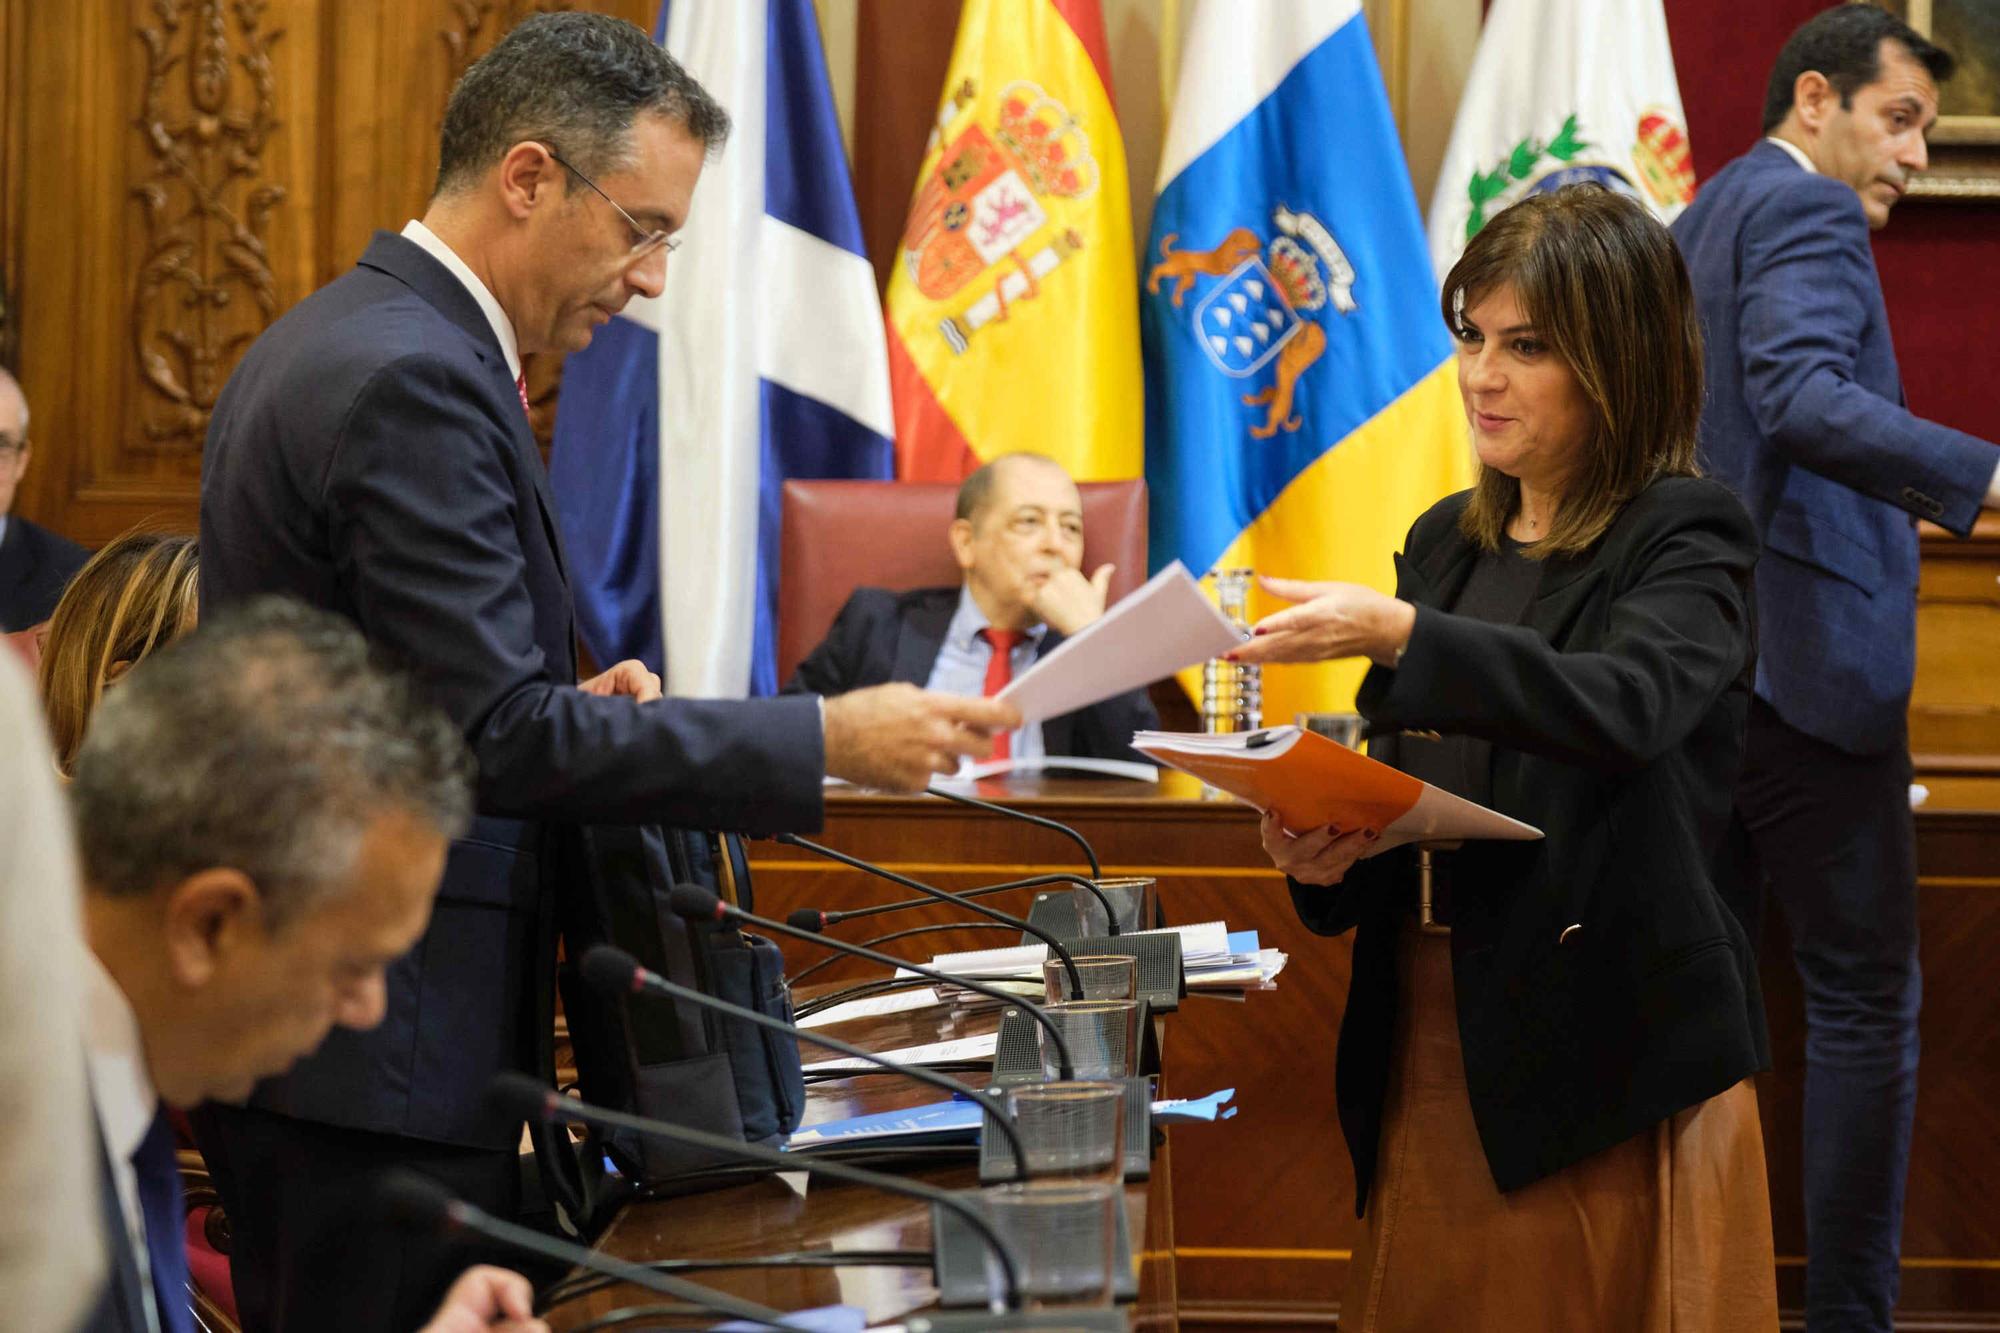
point(1668, 1232)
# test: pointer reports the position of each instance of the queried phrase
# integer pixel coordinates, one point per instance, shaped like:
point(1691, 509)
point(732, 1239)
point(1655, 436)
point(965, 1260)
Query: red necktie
point(999, 671)
point(521, 387)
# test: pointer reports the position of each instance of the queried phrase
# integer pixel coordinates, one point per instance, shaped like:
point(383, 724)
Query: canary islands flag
point(1301, 408)
point(1011, 323)
point(763, 359)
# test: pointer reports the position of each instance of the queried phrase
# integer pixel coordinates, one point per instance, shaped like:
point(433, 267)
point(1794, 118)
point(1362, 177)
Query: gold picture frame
point(1965, 143)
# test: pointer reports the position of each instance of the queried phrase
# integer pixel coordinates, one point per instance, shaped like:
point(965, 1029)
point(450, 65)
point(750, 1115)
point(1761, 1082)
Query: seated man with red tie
point(1018, 537)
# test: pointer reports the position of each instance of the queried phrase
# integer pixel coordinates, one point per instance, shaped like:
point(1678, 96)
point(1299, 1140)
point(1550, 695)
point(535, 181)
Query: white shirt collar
point(1798, 153)
point(503, 328)
point(119, 1080)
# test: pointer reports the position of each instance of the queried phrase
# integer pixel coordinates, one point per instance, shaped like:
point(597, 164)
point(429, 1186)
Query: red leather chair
point(837, 536)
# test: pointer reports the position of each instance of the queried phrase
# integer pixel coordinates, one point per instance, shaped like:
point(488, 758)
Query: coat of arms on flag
point(1266, 306)
point(982, 203)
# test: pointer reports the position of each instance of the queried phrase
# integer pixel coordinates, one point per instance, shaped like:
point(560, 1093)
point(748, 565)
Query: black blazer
point(35, 566)
point(881, 636)
point(1616, 713)
point(370, 456)
point(121, 1305)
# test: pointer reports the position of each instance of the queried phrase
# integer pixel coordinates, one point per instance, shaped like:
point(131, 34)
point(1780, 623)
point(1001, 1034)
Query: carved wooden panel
point(176, 174)
point(1955, 707)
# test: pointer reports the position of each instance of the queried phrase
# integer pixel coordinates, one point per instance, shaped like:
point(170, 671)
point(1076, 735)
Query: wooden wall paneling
point(1955, 707)
point(168, 181)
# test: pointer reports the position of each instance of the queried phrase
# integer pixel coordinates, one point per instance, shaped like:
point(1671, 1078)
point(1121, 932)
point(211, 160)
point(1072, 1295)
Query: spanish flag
point(1011, 318)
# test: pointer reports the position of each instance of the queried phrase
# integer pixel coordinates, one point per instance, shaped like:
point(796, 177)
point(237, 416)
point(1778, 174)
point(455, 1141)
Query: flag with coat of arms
point(763, 359)
point(1561, 92)
point(1011, 323)
point(1301, 406)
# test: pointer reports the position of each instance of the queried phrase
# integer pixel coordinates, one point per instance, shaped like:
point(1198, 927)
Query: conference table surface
point(785, 1214)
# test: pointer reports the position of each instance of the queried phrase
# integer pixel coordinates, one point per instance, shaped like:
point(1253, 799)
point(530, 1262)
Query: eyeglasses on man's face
point(644, 241)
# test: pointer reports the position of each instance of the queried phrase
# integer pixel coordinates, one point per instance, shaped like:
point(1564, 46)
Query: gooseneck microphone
point(420, 1204)
point(1039, 821)
point(944, 896)
point(697, 903)
point(615, 972)
point(1032, 882)
point(519, 1094)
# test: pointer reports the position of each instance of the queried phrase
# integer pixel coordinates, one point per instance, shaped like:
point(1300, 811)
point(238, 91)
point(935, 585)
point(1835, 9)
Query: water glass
point(1071, 1131)
point(1340, 728)
point(1103, 1037)
point(1064, 1235)
point(1112, 976)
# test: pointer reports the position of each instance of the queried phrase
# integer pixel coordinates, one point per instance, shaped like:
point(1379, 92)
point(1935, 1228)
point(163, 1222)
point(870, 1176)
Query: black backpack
point(656, 1057)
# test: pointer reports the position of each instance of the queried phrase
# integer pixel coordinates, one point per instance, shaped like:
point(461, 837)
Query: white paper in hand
point(1165, 626)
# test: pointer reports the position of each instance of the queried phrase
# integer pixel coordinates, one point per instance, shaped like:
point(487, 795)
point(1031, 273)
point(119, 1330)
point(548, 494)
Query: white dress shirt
point(503, 328)
point(122, 1090)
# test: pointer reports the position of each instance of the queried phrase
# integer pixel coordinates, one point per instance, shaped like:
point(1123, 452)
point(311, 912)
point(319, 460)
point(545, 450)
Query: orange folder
point(1313, 782)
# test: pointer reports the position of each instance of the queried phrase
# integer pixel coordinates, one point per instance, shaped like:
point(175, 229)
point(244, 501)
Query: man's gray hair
point(574, 82)
point(267, 741)
point(977, 489)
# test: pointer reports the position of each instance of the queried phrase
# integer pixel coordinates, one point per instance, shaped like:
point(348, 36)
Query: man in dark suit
point(1018, 536)
point(262, 813)
point(371, 455)
point(35, 564)
point(1805, 418)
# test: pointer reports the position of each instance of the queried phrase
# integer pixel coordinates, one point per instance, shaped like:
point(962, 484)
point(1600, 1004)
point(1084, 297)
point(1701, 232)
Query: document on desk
point(981, 1047)
point(1201, 943)
point(1166, 625)
point(1313, 782)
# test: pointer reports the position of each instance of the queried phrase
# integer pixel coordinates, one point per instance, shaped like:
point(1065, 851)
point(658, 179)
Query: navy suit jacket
point(880, 636)
point(1805, 419)
point(35, 566)
point(370, 456)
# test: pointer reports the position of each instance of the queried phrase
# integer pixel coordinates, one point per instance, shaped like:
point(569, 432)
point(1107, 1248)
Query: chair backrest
point(841, 535)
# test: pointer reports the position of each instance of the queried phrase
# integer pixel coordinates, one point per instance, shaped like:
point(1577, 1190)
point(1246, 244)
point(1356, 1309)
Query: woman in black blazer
point(1549, 1106)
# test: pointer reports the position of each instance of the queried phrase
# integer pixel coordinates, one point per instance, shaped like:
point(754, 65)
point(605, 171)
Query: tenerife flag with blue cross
point(762, 359)
point(1301, 406)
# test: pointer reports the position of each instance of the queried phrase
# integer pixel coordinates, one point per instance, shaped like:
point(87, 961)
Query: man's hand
point(1331, 620)
point(1320, 856)
point(628, 677)
point(894, 737)
point(1068, 601)
point(487, 1300)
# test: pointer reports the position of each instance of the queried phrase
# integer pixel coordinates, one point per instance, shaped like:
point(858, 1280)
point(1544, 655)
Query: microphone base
point(996, 1159)
point(984, 1321)
point(958, 1259)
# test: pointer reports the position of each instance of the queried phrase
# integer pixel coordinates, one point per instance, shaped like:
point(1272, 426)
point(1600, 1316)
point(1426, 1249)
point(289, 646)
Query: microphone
point(418, 1203)
point(519, 1094)
point(1032, 882)
point(1039, 821)
point(615, 972)
point(990, 913)
point(697, 903)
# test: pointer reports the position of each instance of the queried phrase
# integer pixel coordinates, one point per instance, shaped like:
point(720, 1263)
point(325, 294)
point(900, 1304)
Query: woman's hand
point(1331, 620)
point(1320, 856)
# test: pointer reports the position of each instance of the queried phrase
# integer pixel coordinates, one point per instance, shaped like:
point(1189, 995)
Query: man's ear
point(960, 534)
point(527, 176)
point(211, 916)
point(1813, 99)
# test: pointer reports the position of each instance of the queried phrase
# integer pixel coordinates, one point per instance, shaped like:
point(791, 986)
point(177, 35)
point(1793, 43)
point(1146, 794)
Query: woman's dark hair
point(1845, 44)
point(1603, 285)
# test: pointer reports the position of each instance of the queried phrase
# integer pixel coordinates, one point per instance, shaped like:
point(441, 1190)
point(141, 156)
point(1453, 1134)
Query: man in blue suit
point(371, 455)
point(1806, 420)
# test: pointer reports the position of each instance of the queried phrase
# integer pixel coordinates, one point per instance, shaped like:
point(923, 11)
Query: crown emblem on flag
point(1046, 140)
point(1666, 166)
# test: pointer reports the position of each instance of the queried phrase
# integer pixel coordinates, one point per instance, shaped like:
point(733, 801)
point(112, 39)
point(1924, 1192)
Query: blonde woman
point(133, 597)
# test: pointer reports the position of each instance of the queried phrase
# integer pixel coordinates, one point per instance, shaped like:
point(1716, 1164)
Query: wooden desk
point(1263, 1204)
point(772, 1216)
